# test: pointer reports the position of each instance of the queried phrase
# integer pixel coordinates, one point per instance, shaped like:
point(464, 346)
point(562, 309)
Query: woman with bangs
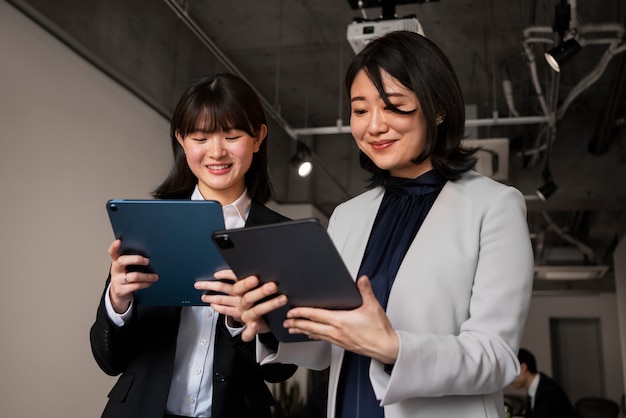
point(441, 256)
point(191, 361)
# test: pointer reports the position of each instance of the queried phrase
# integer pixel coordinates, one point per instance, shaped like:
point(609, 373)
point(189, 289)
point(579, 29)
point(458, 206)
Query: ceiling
point(294, 52)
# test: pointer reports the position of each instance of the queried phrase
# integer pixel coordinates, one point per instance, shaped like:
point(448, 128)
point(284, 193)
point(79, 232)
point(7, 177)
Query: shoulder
point(551, 388)
point(478, 183)
point(356, 214)
point(262, 215)
point(545, 380)
point(366, 199)
point(478, 190)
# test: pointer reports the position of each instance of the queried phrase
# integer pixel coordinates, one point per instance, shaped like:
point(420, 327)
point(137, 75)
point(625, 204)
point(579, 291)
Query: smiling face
point(220, 160)
point(389, 138)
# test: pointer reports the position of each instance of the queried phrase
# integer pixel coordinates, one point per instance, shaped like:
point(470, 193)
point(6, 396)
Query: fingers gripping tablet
point(300, 257)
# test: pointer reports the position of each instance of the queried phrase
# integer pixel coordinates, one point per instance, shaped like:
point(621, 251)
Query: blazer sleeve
point(111, 345)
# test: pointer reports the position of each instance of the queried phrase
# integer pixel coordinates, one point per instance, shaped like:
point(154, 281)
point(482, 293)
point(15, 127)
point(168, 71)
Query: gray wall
point(71, 139)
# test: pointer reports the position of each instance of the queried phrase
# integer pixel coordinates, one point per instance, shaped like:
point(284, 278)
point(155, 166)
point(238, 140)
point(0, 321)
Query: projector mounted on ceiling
point(361, 32)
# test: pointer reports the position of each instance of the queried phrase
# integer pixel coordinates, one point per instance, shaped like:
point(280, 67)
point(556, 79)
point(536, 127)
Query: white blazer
point(458, 303)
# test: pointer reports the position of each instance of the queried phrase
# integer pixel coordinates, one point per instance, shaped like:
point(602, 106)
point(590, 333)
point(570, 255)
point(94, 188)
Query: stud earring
point(439, 119)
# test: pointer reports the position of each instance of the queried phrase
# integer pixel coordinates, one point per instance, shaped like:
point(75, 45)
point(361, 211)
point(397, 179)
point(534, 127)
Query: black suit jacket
point(551, 401)
point(143, 352)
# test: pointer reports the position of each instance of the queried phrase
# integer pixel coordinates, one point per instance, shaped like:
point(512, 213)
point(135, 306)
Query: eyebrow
point(389, 95)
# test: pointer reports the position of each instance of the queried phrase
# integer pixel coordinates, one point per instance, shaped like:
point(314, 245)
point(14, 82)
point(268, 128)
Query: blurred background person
point(544, 397)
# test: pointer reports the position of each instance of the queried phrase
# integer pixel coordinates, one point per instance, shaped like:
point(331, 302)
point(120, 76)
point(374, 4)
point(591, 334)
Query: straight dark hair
point(526, 357)
point(419, 65)
point(214, 103)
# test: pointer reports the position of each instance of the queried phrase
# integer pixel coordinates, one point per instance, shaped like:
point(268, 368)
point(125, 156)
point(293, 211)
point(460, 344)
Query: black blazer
point(551, 401)
point(143, 352)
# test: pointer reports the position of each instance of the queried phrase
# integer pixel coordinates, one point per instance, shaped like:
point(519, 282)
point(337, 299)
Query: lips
point(382, 144)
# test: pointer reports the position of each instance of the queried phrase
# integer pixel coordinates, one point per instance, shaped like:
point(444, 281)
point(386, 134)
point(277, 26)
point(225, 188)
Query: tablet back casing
point(300, 257)
point(176, 236)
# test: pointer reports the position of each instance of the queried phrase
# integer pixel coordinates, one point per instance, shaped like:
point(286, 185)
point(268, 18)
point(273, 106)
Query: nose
point(215, 147)
point(377, 123)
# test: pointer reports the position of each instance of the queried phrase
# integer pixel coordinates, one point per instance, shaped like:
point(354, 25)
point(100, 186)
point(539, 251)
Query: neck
point(224, 197)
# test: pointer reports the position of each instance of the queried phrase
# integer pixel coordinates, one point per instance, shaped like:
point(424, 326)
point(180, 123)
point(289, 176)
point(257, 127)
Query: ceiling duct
point(570, 272)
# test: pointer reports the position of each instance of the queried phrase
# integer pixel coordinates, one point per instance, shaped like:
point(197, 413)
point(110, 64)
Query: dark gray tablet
point(300, 257)
point(176, 236)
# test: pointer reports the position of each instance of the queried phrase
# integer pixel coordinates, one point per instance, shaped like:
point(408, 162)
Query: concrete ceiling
point(294, 52)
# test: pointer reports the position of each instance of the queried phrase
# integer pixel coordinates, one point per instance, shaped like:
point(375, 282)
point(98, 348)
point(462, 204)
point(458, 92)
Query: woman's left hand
point(365, 330)
point(220, 295)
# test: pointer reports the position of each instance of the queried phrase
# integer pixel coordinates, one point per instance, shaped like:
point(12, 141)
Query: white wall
point(71, 138)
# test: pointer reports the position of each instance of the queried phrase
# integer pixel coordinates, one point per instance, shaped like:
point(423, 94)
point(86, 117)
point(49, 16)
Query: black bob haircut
point(419, 65)
point(526, 357)
point(213, 103)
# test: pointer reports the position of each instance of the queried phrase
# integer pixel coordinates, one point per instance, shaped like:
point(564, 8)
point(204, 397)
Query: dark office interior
point(561, 133)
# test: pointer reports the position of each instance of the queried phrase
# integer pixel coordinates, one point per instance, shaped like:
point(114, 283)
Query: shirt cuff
point(234, 331)
point(118, 320)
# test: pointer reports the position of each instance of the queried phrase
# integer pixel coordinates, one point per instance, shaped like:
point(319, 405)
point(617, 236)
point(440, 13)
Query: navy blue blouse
point(402, 211)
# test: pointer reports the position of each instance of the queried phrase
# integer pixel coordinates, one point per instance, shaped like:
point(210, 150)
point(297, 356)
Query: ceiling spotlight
point(302, 160)
point(562, 53)
point(549, 187)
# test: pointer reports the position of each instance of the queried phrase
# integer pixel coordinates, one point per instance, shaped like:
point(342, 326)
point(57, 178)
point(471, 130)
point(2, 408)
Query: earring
point(439, 119)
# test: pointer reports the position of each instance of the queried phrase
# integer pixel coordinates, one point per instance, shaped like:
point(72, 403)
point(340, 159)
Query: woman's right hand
point(251, 310)
point(124, 283)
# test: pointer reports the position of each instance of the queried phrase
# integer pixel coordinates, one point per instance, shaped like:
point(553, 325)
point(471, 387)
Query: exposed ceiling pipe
point(505, 75)
point(507, 85)
point(184, 16)
point(494, 121)
point(593, 76)
point(516, 119)
point(584, 248)
point(585, 36)
point(573, 21)
point(602, 137)
point(530, 37)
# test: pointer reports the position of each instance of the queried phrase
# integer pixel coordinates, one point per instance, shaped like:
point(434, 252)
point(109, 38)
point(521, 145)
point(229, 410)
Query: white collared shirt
point(532, 390)
point(191, 386)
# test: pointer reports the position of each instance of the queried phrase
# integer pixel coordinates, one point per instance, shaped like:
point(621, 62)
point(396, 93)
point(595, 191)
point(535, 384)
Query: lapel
point(423, 253)
point(441, 216)
point(354, 228)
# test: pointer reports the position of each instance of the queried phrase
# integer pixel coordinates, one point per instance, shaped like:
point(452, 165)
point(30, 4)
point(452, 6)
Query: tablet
point(176, 236)
point(300, 257)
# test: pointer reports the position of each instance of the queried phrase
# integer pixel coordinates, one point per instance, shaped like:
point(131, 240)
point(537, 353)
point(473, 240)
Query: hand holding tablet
point(176, 236)
point(300, 258)
point(186, 242)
